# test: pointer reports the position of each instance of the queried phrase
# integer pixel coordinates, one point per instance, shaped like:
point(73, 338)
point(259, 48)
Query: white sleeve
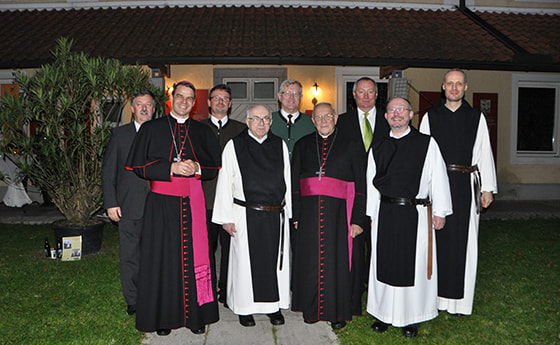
point(373, 196)
point(425, 125)
point(223, 202)
point(483, 157)
point(439, 191)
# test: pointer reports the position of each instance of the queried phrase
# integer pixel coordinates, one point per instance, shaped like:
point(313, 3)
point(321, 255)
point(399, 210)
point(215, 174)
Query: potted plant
point(58, 127)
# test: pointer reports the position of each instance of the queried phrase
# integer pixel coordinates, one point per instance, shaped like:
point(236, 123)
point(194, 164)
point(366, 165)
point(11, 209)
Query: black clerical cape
point(455, 133)
point(399, 165)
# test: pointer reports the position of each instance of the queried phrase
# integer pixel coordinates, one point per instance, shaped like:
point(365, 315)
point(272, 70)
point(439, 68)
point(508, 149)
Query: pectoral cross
point(178, 158)
point(320, 172)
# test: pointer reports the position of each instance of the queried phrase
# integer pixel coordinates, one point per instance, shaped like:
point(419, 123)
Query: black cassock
point(167, 291)
point(323, 287)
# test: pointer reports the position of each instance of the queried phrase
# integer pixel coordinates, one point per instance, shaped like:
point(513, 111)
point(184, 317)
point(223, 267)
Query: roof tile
point(308, 35)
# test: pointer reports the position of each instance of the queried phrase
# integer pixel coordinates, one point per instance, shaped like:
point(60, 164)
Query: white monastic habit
point(403, 306)
point(483, 158)
point(239, 281)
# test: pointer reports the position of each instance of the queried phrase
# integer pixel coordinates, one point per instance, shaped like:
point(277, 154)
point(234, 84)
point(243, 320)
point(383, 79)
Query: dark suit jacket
point(348, 123)
point(120, 186)
point(231, 129)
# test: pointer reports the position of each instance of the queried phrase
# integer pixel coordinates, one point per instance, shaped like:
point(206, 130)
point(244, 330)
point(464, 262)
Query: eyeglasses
point(291, 94)
point(218, 98)
point(266, 119)
point(400, 110)
point(326, 117)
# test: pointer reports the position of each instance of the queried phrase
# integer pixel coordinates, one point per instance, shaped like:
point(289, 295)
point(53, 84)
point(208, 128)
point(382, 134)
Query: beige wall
point(496, 82)
point(423, 80)
point(202, 77)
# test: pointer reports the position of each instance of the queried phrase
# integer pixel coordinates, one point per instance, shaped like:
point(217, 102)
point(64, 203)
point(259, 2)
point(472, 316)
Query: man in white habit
point(407, 184)
point(462, 133)
point(253, 204)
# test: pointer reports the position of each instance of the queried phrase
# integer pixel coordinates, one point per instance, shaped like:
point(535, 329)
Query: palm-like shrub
point(66, 104)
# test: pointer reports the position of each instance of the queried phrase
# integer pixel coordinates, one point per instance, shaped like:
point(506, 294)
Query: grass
point(517, 298)
point(45, 301)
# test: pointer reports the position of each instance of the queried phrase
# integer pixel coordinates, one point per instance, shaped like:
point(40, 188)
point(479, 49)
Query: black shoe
point(222, 298)
point(276, 318)
point(131, 309)
point(201, 330)
point(163, 332)
point(338, 324)
point(309, 322)
point(379, 326)
point(247, 320)
point(410, 331)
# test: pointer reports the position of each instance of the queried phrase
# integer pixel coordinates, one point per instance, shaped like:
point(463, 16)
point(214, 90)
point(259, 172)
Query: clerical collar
point(137, 126)
point(260, 141)
point(404, 135)
point(325, 136)
point(179, 119)
point(285, 115)
point(215, 120)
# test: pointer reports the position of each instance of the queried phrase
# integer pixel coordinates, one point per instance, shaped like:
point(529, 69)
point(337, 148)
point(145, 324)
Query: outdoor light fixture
point(315, 93)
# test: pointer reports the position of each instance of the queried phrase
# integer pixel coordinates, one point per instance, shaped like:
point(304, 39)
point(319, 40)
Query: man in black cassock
point(174, 153)
point(328, 194)
point(253, 203)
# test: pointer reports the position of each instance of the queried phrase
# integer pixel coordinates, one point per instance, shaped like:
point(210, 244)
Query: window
point(535, 118)
point(345, 79)
point(251, 86)
point(252, 89)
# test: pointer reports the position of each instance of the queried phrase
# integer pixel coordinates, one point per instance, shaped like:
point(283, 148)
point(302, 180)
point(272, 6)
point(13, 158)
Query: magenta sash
point(335, 188)
point(192, 187)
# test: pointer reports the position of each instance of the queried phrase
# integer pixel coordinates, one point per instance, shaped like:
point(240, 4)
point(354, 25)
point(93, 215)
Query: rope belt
point(267, 208)
point(414, 202)
point(476, 190)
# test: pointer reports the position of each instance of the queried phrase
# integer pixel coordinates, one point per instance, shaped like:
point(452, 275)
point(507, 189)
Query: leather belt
point(462, 168)
point(258, 207)
point(470, 169)
point(267, 208)
point(413, 202)
point(406, 201)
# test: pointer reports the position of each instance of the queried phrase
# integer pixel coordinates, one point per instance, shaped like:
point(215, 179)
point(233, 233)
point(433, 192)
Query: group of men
point(307, 210)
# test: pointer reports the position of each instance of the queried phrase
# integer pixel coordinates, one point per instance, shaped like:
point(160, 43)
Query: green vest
point(300, 128)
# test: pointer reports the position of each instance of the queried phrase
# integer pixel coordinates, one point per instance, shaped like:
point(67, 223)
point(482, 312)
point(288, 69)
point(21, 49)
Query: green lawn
point(517, 299)
point(44, 301)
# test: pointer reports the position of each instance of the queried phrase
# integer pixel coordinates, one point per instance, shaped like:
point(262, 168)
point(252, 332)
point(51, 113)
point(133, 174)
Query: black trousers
point(129, 243)
point(217, 233)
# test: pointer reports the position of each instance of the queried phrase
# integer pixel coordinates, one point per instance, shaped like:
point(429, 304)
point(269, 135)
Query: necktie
point(290, 126)
point(219, 125)
point(368, 134)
